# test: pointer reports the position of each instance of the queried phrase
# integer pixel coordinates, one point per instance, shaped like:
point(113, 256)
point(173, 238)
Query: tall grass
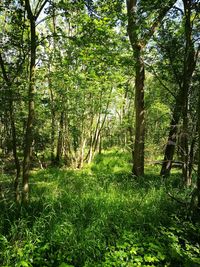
point(88, 217)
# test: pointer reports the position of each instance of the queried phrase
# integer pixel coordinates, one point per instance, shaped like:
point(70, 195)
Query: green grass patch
point(98, 216)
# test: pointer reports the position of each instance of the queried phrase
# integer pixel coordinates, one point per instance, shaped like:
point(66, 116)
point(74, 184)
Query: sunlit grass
point(75, 216)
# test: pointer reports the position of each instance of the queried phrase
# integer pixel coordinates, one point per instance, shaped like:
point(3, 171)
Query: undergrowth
point(98, 216)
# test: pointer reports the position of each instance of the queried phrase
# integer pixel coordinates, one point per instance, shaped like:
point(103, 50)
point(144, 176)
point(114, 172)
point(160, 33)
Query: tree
point(139, 35)
point(183, 75)
point(12, 59)
point(32, 17)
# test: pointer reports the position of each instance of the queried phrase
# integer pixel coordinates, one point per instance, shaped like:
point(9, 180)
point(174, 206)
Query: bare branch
point(40, 9)
point(179, 9)
point(160, 81)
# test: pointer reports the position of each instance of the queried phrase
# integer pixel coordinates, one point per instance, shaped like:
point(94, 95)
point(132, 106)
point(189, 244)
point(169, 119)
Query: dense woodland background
point(99, 133)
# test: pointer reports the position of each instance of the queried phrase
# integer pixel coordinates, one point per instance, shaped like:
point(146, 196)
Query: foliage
point(67, 107)
point(168, 247)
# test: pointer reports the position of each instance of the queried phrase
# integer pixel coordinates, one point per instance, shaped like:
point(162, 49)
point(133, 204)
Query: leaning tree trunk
point(172, 137)
point(31, 109)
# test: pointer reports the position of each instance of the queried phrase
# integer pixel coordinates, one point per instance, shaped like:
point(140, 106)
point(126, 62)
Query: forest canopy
point(82, 81)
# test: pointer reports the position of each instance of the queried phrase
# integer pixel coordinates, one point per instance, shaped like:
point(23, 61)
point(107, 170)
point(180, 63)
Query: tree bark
point(138, 160)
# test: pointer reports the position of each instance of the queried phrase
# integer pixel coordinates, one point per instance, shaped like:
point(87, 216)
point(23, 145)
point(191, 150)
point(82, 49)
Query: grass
point(96, 217)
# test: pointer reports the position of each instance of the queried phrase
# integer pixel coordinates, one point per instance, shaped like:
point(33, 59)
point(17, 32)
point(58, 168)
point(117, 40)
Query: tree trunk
point(31, 109)
point(172, 137)
point(189, 66)
point(138, 44)
point(60, 140)
point(191, 158)
point(138, 160)
point(53, 126)
point(94, 142)
point(17, 163)
point(181, 106)
point(198, 173)
point(100, 144)
point(82, 150)
point(13, 132)
point(68, 155)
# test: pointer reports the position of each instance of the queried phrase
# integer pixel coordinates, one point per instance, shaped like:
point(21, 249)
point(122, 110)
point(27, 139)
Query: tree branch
point(179, 9)
point(157, 21)
point(160, 81)
point(40, 9)
point(185, 204)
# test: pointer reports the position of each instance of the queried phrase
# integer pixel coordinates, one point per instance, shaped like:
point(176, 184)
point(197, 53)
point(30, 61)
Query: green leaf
point(23, 264)
point(65, 265)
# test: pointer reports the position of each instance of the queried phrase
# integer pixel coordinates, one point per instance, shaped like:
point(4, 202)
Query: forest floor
point(100, 216)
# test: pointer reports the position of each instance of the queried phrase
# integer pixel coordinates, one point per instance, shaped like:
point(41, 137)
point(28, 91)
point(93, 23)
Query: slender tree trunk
point(53, 115)
point(13, 132)
point(97, 140)
point(82, 150)
point(198, 173)
point(93, 137)
point(99, 126)
point(17, 163)
point(100, 144)
point(191, 158)
point(60, 140)
point(31, 109)
point(185, 148)
point(189, 66)
point(172, 137)
point(68, 155)
point(93, 141)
